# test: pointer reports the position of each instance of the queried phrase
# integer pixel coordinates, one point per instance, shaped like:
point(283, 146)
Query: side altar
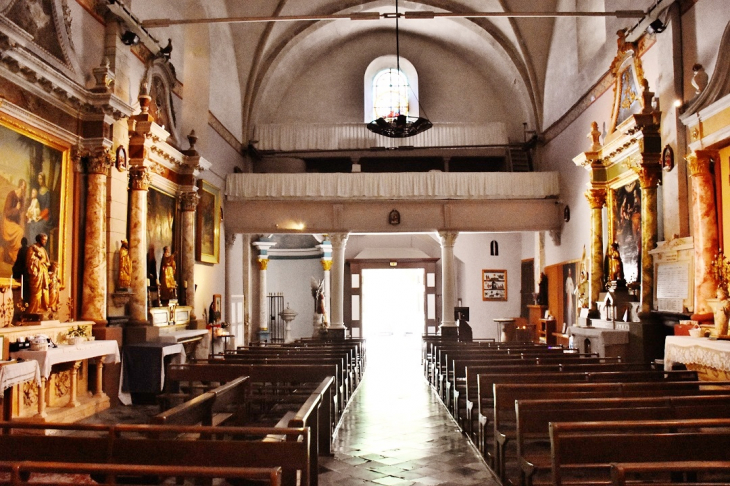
point(66, 391)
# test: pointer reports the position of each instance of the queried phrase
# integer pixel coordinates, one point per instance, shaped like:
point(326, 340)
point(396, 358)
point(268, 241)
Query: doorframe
point(353, 288)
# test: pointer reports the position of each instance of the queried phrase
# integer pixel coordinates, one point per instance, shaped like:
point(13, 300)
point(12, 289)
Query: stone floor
point(396, 432)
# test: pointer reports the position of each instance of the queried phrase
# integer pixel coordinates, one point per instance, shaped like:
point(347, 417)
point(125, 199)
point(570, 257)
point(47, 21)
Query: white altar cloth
point(702, 351)
point(67, 353)
point(12, 374)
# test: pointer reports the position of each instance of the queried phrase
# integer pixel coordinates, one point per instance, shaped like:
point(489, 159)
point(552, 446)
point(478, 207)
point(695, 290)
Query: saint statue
point(168, 281)
point(53, 288)
point(722, 312)
point(581, 290)
point(125, 267)
point(615, 266)
point(319, 304)
point(37, 264)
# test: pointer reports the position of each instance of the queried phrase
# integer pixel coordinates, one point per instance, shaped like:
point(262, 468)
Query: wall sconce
point(393, 264)
point(129, 38)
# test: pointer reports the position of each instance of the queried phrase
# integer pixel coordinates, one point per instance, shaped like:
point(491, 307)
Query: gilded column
point(337, 321)
point(649, 176)
point(705, 231)
point(448, 283)
point(229, 241)
point(188, 204)
point(94, 290)
point(596, 200)
point(139, 183)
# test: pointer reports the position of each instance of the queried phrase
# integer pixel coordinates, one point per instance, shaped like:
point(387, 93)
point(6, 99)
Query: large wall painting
point(33, 188)
point(161, 209)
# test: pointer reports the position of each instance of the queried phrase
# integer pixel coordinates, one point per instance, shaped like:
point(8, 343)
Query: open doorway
point(393, 302)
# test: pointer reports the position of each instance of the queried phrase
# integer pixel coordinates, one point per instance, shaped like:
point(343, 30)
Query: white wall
point(292, 278)
point(473, 250)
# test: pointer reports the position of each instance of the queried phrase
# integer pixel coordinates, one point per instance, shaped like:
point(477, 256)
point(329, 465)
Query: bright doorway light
point(393, 302)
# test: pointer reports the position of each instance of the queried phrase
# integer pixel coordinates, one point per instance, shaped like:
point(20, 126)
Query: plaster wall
point(225, 89)
point(292, 278)
point(473, 250)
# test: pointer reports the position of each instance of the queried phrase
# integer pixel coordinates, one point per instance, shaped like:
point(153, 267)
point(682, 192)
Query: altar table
point(15, 373)
point(103, 351)
point(711, 358)
point(143, 368)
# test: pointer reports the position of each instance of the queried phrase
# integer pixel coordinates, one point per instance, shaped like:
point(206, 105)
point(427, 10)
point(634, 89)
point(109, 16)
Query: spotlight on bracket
point(129, 38)
point(656, 27)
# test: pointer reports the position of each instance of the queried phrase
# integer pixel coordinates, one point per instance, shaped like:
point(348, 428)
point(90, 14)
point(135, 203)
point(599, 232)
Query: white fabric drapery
point(348, 136)
point(399, 185)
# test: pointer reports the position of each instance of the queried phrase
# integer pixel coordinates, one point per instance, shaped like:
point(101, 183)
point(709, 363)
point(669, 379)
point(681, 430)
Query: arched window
point(390, 92)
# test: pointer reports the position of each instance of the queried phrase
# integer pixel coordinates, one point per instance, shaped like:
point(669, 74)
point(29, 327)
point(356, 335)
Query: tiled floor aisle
point(395, 432)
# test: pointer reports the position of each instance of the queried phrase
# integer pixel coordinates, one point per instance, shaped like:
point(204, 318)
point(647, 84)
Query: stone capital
point(698, 162)
point(139, 178)
point(263, 263)
point(596, 198)
point(326, 265)
point(448, 238)
point(650, 175)
point(188, 200)
point(339, 240)
point(99, 162)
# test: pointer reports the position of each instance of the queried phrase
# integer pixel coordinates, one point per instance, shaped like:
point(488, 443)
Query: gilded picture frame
point(161, 229)
point(208, 223)
point(34, 185)
point(494, 285)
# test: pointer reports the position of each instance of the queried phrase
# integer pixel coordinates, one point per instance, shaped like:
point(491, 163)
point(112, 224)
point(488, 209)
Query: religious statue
point(318, 294)
point(722, 311)
point(37, 264)
point(53, 288)
point(595, 136)
point(168, 281)
point(615, 266)
point(125, 267)
point(581, 290)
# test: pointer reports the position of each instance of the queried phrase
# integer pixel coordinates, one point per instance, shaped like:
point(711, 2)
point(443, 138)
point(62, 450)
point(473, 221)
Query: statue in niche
point(124, 281)
point(168, 280)
point(615, 266)
point(319, 304)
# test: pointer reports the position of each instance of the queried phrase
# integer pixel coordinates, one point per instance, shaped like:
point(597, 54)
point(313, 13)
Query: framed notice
point(494, 285)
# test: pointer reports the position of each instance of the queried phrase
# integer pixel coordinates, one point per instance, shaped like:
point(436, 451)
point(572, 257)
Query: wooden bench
point(699, 473)
point(149, 445)
point(531, 431)
point(523, 375)
point(584, 451)
point(317, 379)
point(27, 472)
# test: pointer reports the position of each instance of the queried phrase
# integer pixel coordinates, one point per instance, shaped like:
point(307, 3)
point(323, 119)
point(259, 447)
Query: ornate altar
point(625, 171)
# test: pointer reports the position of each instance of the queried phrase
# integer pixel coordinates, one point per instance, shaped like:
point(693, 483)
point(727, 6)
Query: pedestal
point(608, 343)
point(264, 336)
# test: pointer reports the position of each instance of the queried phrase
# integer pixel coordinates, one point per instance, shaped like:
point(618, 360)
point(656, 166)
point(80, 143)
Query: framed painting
point(208, 223)
point(34, 185)
point(494, 285)
point(161, 210)
point(570, 281)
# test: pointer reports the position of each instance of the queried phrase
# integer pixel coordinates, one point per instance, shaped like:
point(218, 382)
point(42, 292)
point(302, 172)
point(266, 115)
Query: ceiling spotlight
point(129, 38)
point(656, 27)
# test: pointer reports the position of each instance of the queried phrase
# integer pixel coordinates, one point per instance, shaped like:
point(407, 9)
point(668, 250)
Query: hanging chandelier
point(397, 125)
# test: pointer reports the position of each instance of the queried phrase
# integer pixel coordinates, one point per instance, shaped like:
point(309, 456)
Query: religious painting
point(121, 161)
point(627, 228)
point(161, 209)
point(570, 274)
point(36, 18)
point(208, 223)
point(34, 188)
point(494, 285)
point(629, 88)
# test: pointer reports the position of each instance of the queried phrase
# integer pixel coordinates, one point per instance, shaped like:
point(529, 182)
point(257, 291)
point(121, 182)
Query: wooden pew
point(533, 417)
point(584, 451)
point(149, 445)
point(271, 374)
point(26, 472)
point(699, 473)
point(523, 375)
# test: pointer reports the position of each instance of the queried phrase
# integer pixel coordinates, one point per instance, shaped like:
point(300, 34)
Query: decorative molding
point(263, 263)
point(596, 198)
point(99, 162)
point(448, 238)
point(326, 265)
point(188, 200)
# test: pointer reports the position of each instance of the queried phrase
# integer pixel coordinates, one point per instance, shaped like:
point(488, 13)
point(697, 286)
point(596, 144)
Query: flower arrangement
point(76, 331)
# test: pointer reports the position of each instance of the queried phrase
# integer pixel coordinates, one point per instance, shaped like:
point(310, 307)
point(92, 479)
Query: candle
point(21, 287)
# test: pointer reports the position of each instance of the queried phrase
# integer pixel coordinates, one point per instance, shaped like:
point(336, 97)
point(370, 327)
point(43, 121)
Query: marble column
point(139, 183)
point(649, 177)
point(188, 204)
point(337, 321)
point(448, 283)
point(94, 289)
point(247, 260)
point(705, 230)
point(596, 200)
point(229, 241)
point(263, 304)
